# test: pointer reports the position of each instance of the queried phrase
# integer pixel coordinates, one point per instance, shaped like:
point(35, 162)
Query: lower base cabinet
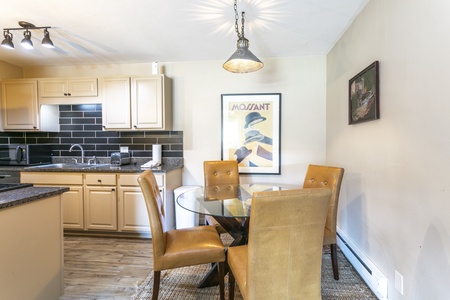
point(108, 202)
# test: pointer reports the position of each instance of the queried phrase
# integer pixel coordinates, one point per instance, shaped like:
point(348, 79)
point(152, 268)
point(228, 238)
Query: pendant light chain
point(236, 19)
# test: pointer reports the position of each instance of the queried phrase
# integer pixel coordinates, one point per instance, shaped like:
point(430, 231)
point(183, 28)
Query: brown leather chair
point(220, 172)
point(331, 177)
point(180, 247)
point(283, 257)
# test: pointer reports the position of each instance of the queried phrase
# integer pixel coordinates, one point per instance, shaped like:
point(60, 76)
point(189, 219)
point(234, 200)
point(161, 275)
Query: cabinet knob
point(69, 94)
point(65, 94)
point(135, 126)
point(113, 190)
point(99, 180)
point(34, 127)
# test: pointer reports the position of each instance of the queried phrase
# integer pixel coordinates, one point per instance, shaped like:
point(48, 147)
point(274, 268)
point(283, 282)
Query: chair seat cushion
point(192, 246)
point(238, 262)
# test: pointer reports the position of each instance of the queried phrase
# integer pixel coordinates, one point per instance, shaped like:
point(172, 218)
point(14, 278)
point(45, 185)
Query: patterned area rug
point(181, 283)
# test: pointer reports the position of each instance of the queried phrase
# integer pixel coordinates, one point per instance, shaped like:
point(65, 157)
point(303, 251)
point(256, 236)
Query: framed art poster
point(251, 132)
point(364, 95)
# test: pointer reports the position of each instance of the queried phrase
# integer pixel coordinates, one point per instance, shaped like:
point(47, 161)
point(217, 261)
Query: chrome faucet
point(81, 148)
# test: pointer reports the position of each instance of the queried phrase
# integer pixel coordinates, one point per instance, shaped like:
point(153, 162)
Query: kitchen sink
point(67, 166)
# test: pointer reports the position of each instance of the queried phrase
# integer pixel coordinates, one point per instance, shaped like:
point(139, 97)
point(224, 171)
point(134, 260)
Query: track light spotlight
point(46, 41)
point(7, 42)
point(26, 41)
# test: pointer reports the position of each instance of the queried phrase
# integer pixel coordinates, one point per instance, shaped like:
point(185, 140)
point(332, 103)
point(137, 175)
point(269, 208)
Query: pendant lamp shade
point(242, 60)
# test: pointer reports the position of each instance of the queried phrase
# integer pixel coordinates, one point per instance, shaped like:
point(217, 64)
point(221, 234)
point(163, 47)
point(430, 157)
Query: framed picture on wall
point(364, 96)
point(251, 132)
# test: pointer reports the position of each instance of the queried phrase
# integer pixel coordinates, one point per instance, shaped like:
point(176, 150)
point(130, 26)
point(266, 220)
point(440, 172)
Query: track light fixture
point(243, 60)
point(26, 41)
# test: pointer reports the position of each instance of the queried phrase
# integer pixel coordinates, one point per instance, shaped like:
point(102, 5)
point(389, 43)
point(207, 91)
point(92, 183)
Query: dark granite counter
point(104, 167)
point(28, 194)
point(101, 169)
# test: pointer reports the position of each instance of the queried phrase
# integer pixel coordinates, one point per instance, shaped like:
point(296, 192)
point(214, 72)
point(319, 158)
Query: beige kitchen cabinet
point(107, 202)
point(20, 108)
point(137, 103)
point(132, 210)
point(20, 105)
point(67, 87)
point(72, 201)
point(101, 201)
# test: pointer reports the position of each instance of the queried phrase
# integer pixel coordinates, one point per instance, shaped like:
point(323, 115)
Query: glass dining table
point(230, 205)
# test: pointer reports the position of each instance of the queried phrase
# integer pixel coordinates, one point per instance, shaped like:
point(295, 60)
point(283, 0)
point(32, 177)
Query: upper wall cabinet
point(20, 107)
point(68, 91)
point(137, 103)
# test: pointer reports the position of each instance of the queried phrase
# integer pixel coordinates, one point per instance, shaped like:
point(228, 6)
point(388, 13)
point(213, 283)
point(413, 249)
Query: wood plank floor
point(105, 268)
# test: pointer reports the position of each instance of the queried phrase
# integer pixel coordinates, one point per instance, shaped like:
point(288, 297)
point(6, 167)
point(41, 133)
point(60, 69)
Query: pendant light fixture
point(26, 41)
point(242, 60)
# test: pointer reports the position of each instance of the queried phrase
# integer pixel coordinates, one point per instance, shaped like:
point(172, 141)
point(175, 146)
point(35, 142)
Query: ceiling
point(88, 32)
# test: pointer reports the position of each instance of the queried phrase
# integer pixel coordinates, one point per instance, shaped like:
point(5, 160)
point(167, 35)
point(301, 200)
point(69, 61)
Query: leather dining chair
point(283, 257)
point(178, 247)
point(219, 172)
point(331, 177)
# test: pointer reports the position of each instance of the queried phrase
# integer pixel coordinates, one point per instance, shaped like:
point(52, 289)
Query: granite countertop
point(103, 167)
point(28, 194)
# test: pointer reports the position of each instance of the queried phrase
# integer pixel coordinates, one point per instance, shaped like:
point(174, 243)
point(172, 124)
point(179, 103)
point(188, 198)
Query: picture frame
point(364, 95)
point(251, 132)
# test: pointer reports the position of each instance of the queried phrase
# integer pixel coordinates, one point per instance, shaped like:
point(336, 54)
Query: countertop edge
point(29, 194)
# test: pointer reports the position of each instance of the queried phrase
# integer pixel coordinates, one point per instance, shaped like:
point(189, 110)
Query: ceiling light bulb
point(46, 41)
point(26, 42)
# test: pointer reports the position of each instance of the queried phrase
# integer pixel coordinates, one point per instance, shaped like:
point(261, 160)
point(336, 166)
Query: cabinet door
point(72, 206)
point(76, 87)
point(132, 210)
point(20, 105)
point(101, 207)
point(116, 111)
point(49, 88)
point(83, 87)
point(147, 103)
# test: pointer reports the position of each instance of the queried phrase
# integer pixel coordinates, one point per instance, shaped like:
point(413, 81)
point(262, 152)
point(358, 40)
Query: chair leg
point(156, 281)
point(221, 269)
point(334, 261)
point(231, 282)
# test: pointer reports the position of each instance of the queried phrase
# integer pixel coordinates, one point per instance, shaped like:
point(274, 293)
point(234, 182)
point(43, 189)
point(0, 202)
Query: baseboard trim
point(369, 272)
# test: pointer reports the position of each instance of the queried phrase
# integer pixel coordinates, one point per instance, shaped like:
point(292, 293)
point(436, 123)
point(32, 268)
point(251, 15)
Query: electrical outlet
point(399, 282)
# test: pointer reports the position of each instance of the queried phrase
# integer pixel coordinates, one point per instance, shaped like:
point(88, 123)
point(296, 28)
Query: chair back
point(285, 244)
point(331, 177)
point(155, 209)
point(220, 172)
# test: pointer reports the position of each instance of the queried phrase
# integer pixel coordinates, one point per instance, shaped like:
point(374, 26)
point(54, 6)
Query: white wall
point(197, 89)
point(395, 202)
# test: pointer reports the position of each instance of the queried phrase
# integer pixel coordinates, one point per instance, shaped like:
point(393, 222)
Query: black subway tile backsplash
point(82, 124)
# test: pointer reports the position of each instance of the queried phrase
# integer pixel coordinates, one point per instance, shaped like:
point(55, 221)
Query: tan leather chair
point(283, 257)
point(331, 177)
point(181, 247)
point(220, 172)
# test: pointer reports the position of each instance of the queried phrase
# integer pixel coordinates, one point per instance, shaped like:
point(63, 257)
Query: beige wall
point(395, 202)
point(8, 71)
point(197, 88)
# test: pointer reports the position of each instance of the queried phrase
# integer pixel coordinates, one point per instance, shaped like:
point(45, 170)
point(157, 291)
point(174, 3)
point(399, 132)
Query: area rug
point(181, 283)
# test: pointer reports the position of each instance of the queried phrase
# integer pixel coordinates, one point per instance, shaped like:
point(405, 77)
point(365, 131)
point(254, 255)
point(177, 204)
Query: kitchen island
point(32, 249)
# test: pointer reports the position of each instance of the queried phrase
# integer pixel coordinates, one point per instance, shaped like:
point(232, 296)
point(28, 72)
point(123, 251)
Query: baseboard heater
point(373, 277)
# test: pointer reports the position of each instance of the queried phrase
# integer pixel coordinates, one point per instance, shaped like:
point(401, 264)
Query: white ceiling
point(137, 31)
